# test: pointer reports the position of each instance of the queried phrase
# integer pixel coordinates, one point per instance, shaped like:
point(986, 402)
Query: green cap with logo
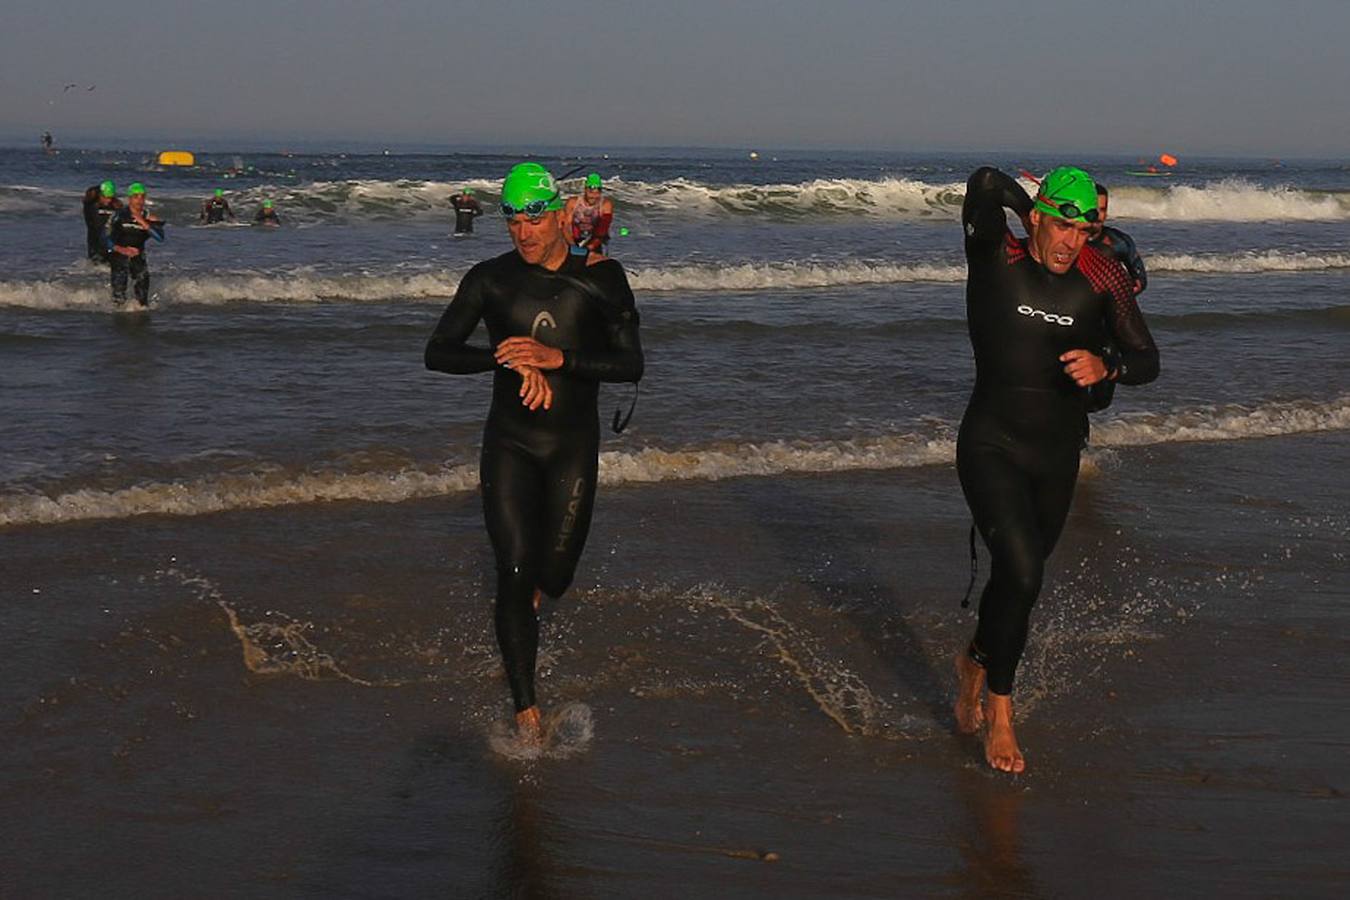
point(135, 188)
point(529, 182)
point(1069, 193)
point(107, 189)
point(267, 204)
point(593, 181)
point(220, 192)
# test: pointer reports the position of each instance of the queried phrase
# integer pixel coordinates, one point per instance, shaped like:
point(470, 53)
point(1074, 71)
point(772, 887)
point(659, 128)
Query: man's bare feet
point(969, 690)
point(530, 726)
point(538, 598)
point(1000, 744)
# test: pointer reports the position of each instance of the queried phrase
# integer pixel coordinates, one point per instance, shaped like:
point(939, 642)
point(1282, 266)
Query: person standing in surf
point(128, 230)
point(1049, 317)
point(591, 215)
point(100, 202)
point(558, 325)
point(467, 208)
point(215, 208)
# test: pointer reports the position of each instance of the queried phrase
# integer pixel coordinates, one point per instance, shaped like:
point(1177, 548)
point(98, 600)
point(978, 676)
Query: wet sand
point(301, 701)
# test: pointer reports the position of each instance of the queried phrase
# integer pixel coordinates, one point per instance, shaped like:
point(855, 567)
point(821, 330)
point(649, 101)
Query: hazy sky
point(1240, 77)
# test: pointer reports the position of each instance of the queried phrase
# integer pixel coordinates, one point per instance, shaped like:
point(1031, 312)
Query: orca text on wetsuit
point(538, 467)
point(1019, 443)
point(124, 231)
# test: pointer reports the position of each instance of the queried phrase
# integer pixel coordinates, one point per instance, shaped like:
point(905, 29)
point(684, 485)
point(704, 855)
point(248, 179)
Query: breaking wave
point(649, 465)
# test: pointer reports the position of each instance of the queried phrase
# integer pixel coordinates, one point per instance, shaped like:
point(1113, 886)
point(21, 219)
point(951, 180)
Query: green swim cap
point(219, 192)
point(530, 182)
point(107, 189)
point(267, 204)
point(135, 188)
point(1066, 190)
point(468, 192)
point(593, 180)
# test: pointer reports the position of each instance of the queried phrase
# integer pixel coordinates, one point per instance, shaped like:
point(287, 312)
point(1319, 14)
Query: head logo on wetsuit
point(543, 320)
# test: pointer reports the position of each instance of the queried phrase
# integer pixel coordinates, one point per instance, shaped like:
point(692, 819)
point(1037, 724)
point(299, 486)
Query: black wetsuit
point(466, 209)
point(124, 231)
point(96, 216)
point(538, 469)
point(215, 210)
point(1017, 451)
point(1121, 246)
point(267, 216)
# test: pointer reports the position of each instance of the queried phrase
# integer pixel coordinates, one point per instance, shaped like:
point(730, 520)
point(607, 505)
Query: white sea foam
point(1230, 199)
point(649, 465)
point(311, 286)
point(1250, 262)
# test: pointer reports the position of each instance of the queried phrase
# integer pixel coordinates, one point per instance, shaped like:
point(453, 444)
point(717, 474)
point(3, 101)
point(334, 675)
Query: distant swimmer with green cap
point(467, 208)
point(558, 325)
point(1051, 318)
point(591, 216)
point(215, 208)
point(1117, 242)
point(267, 215)
point(100, 202)
point(128, 230)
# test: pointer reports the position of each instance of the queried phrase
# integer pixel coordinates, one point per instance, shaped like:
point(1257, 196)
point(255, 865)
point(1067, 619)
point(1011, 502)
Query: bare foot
point(1000, 744)
point(530, 726)
point(969, 688)
point(538, 598)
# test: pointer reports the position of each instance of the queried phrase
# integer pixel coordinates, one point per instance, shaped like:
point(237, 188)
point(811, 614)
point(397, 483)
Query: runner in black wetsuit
point(1117, 243)
point(558, 325)
point(128, 230)
point(100, 202)
point(467, 208)
point(1048, 317)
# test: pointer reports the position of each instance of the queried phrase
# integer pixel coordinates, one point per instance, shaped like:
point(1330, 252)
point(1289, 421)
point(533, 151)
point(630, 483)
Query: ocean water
point(247, 589)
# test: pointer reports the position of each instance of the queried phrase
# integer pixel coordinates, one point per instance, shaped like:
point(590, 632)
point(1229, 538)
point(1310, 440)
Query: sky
point(1234, 78)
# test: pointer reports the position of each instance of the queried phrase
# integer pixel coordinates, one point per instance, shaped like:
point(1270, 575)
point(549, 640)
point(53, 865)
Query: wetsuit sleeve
point(447, 350)
point(988, 193)
point(622, 360)
point(1128, 254)
point(1137, 361)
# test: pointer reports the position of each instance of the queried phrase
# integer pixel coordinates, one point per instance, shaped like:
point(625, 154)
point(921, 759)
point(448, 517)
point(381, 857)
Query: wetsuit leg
point(119, 277)
point(569, 502)
point(140, 278)
point(1019, 498)
point(94, 245)
point(513, 484)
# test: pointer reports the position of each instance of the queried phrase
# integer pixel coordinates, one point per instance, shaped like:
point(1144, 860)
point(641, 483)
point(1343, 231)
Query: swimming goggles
point(1069, 210)
point(534, 210)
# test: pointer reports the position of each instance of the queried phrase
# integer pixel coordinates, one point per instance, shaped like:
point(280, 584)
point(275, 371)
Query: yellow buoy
point(177, 158)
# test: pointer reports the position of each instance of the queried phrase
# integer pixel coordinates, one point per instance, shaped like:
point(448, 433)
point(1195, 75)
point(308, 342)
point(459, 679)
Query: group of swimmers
point(116, 233)
point(1053, 322)
point(590, 215)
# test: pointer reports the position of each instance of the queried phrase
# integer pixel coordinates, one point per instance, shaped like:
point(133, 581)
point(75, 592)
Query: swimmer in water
point(558, 325)
point(128, 230)
point(100, 202)
point(1050, 316)
point(215, 208)
point(467, 208)
point(267, 215)
point(590, 216)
